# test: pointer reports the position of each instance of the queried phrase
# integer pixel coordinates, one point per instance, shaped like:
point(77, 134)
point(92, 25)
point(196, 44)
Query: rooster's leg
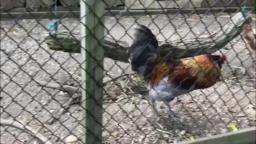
point(172, 114)
point(156, 112)
point(153, 105)
point(177, 119)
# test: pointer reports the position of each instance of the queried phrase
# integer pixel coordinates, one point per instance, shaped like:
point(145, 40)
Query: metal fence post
point(92, 34)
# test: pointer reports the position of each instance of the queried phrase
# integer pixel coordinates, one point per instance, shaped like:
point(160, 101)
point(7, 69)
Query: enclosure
point(65, 75)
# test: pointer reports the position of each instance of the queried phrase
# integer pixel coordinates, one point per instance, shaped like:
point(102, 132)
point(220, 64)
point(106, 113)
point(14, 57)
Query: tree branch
point(54, 85)
point(118, 50)
point(12, 123)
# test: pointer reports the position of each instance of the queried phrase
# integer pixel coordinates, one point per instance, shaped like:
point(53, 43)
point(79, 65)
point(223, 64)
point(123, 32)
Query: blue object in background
point(244, 9)
point(53, 26)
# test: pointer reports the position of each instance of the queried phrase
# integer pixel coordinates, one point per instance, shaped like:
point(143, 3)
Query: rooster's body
point(167, 78)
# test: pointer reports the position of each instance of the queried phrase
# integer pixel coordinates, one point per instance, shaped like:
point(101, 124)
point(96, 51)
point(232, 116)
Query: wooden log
point(118, 50)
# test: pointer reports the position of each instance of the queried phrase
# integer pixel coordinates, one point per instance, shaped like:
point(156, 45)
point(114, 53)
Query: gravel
point(127, 117)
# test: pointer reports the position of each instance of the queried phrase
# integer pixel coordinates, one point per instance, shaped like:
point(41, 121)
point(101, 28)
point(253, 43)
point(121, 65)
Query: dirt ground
point(128, 117)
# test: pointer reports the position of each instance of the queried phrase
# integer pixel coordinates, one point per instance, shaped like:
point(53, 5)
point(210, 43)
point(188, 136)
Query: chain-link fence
point(53, 94)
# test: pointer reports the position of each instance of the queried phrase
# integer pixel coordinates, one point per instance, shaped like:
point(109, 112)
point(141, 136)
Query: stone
point(71, 139)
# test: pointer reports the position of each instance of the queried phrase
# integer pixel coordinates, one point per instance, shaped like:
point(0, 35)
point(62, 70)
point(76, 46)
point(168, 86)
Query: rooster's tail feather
point(144, 51)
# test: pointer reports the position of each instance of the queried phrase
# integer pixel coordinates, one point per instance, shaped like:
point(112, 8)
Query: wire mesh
point(41, 80)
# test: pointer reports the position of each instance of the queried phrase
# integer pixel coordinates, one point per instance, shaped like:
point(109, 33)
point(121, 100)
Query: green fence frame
point(92, 34)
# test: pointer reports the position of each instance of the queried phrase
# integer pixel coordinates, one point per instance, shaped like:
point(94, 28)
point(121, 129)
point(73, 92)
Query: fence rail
point(66, 76)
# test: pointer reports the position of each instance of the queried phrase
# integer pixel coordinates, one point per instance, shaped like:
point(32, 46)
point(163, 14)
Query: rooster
point(168, 78)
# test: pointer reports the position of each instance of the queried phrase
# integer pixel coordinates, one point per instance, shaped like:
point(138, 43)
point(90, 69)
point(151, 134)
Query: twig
point(65, 88)
point(115, 79)
point(163, 131)
point(14, 123)
point(71, 89)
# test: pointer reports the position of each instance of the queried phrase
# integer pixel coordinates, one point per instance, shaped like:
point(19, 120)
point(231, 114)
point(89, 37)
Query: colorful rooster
point(169, 78)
